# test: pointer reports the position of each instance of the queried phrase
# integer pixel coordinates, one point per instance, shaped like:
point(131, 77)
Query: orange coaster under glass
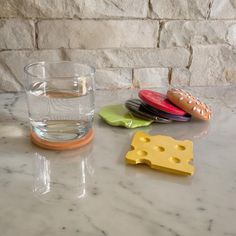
point(62, 145)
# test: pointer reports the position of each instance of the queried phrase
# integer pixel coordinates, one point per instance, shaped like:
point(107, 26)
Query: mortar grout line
point(190, 57)
point(209, 9)
point(132, 74)
point(36, 34)
point(122, 18)
point(116, 48)
point(170, 75)
point(161, 25)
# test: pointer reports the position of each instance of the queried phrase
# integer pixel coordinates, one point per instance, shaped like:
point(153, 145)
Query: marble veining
point(91, 191)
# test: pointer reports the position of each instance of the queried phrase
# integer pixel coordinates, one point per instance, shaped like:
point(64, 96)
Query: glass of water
point(60, 97)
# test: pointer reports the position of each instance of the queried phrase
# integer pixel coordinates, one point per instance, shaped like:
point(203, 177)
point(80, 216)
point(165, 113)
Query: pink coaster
point(160, 102)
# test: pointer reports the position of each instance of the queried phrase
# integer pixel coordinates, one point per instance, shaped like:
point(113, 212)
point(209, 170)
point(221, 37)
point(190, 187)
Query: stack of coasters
point(154, 107)
point(177, 105)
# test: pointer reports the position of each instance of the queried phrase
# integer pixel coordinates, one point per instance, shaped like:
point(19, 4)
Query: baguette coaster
point(190, 104)
point(62, 145)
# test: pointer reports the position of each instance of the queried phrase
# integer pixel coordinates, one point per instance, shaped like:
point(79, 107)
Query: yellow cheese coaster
point(162, 152)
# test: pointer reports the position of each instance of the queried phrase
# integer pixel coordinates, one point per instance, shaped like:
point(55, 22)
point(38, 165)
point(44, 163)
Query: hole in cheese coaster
point(117, 115)
point(162, 153)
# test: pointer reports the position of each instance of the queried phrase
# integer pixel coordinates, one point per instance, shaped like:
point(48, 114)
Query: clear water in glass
point(60, 114)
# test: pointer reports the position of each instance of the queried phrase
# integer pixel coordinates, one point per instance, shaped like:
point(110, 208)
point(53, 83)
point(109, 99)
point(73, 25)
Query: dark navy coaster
point(135, 106)
point(166, 115)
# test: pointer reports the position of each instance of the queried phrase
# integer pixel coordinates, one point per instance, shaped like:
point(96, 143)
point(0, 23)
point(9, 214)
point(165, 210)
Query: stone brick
point(185, 33)
point(223, 9)
point(97, 34)
point(213, 65)
point(113, 78)
point(16, 34)
point(179, 9)
point(8, 82)
point(180, 77)
point(14, 61)
point(150, 77)
point(231, 35)
point(40, 9)
point(74, 8)
point(95, 58)
point(133, 58)
point(114, 8)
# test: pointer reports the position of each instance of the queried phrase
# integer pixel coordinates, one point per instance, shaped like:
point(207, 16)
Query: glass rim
point(28, 66)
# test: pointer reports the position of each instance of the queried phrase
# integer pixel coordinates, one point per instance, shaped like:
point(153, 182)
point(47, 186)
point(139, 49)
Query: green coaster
point(117, 115)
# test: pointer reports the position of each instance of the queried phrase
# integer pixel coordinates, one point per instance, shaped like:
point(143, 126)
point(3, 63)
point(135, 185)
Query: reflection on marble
point(65, 176)
point(92, 192)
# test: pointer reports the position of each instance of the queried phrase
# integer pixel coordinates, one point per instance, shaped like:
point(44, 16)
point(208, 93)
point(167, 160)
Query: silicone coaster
point(162, 153)
point(117, 115)
point(166, 115)
point(160, 102)
point(190, 104)
point(62, 145)
point(135, 106)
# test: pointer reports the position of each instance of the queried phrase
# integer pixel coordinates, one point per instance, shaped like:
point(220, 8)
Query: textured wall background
point(132, 43)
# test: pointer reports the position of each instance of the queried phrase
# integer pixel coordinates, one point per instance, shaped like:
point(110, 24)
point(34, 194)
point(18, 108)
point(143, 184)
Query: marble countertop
point(91, 191)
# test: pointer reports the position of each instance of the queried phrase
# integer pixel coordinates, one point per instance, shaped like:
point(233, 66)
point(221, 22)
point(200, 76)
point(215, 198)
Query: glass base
point(60, 130)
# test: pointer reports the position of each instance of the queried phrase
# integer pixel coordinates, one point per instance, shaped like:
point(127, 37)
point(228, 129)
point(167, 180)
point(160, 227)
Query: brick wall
point(132, 43)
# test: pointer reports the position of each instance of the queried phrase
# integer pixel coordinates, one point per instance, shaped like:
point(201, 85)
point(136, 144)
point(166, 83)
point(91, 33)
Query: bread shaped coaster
point(189, 104)
point(162, 153)
point(117, 115)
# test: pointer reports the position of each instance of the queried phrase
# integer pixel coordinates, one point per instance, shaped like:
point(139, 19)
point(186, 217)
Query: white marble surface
point(92, 191)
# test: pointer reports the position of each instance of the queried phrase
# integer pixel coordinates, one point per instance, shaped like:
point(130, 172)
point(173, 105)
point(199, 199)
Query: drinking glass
point(60, 99)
